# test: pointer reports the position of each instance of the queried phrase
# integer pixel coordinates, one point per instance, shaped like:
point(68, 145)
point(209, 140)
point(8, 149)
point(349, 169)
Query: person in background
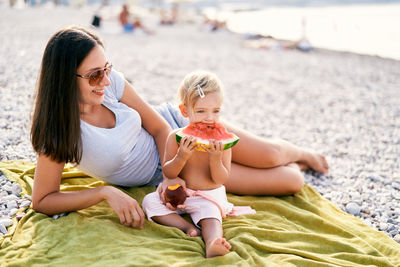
point(130, 24)
point(96, 20)
point(169, 18)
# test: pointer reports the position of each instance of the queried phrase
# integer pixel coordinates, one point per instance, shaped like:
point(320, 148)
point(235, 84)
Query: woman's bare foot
point(302, 166)
point(299, 166)
point(314, 161)
point(193, 231)
point(217, 247)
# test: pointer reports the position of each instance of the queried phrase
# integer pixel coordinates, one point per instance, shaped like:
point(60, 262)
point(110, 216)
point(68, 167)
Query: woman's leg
point(283, 180)
point(257, 152)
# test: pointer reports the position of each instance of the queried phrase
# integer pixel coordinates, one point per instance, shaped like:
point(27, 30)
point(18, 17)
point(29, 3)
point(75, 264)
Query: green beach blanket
point(300, 230)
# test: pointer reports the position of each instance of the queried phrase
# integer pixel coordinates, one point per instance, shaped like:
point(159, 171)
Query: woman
point(86, 113)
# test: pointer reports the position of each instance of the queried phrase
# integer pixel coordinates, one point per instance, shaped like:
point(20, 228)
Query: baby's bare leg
point(175, 220)
point(216, 245)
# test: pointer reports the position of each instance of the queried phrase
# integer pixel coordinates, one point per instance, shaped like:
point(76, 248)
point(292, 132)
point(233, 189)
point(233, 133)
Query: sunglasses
point(96, 76)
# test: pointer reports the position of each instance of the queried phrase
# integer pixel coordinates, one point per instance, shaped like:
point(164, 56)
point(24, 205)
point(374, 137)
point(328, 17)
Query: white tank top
point(125, 155)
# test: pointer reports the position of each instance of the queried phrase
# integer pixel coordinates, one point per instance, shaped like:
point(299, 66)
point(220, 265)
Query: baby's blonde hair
point(188, 91)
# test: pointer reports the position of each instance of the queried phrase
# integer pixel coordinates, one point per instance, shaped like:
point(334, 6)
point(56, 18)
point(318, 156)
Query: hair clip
point(201, 92)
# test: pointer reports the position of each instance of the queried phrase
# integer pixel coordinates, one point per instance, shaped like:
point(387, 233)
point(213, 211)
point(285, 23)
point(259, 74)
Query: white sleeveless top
point(125, 155)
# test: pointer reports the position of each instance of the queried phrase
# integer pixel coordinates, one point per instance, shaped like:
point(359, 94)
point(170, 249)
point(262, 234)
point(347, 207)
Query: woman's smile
point(99, 92)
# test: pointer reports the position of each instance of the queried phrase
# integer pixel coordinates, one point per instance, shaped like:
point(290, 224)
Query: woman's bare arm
point(153, 122)
point(47, 198)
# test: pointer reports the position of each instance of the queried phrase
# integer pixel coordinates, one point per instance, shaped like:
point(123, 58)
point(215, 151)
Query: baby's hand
point(180, 207)
point(167, 182)
point(186, 147)
point(215, 150)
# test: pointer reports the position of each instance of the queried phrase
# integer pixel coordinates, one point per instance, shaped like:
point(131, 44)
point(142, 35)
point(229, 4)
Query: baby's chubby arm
point(220, 161)
point(176, 156)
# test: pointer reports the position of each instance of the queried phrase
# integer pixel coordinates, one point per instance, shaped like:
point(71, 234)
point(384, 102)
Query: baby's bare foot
point(193, 231)
point(315, 161)
point(217, 247)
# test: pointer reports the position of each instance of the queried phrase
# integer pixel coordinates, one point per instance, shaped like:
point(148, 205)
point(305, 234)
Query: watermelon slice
point(203, 132)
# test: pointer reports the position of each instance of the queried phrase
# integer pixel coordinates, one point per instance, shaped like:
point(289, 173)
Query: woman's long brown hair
point(56, 128)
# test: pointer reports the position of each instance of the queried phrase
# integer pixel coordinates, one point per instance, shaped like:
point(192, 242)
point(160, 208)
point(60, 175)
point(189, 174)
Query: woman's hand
point(163, 186)
point(127, 208)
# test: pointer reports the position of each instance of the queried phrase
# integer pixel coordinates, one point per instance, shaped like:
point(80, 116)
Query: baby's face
point(206, 109)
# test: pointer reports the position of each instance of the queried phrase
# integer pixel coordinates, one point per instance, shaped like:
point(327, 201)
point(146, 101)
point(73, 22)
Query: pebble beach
point(343, 105)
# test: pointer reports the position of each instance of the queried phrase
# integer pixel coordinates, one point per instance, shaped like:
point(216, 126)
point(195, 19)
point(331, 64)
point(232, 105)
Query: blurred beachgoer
point(99, 122)
point(271, 43)
point(124, 15)
point(215, 21)
point(169, 18)
point(304, 44)
point(96, 20)
point(130, 23)
point(215, 24)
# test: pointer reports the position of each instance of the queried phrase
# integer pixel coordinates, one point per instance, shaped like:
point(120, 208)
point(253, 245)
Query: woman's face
point(92, 94)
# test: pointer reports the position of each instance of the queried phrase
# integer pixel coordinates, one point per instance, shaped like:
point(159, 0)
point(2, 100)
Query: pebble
point(396, 195)
point(353, 208)
point(25, 203)
point(7, 188)
point(15, 189)
point(11, 204)
point(396, 185)
point(9, 197)
point(20, 215)
point(366, 211)
point(6, 222)
point(13, 212)
point(57, 216)
point(383, 226)
point(394, 232)
point(3, 229)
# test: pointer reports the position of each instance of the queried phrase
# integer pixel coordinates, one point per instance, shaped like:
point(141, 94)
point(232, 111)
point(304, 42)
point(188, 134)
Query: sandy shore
point(344, 105)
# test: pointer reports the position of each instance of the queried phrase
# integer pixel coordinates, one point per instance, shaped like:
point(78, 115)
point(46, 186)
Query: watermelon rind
point(228, 143)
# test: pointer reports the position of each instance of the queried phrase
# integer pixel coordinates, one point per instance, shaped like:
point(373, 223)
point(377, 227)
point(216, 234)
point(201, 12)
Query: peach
point(175, 194)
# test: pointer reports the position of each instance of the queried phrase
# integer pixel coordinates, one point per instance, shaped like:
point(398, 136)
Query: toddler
point(201, 98)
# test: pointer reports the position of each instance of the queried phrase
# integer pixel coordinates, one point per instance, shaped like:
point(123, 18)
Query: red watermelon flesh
point(207, 131)
point(203, 132)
